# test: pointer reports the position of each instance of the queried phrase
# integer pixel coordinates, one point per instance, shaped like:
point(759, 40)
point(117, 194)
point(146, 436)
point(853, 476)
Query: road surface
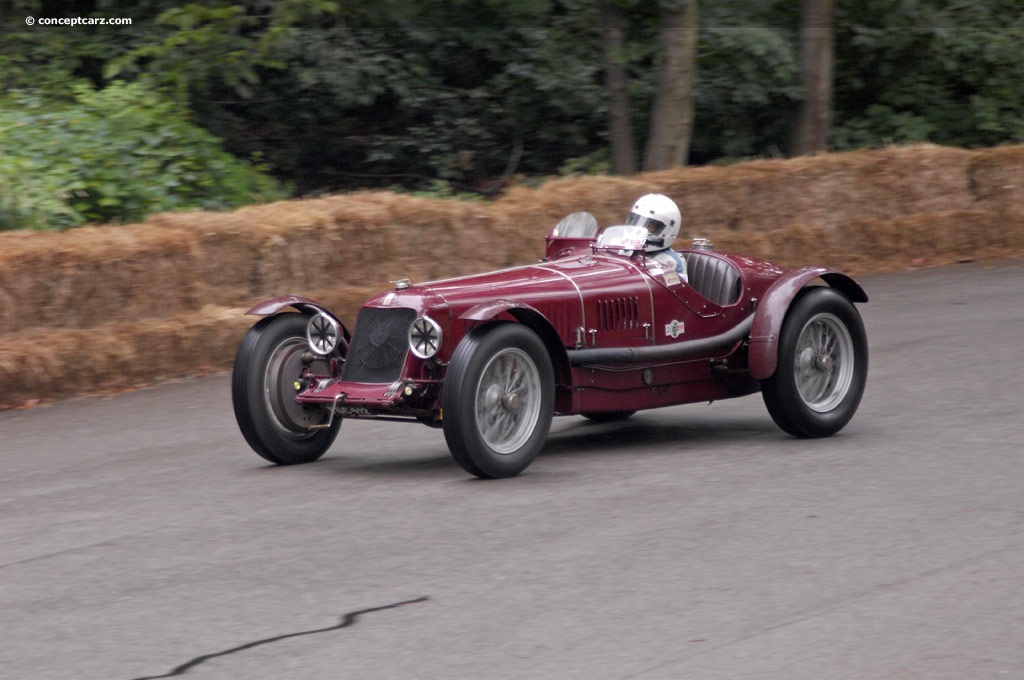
point(141, 538)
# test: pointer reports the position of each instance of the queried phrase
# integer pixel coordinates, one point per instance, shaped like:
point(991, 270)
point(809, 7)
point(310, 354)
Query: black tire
point(498, 400)
point(608, 417)
point(822, 367)
point(262, 391)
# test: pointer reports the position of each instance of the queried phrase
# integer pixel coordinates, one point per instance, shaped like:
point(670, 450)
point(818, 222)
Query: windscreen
point(623, 237)
point(576, 225)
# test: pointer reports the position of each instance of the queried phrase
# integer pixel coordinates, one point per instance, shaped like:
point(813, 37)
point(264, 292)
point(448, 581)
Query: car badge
point(675, 328)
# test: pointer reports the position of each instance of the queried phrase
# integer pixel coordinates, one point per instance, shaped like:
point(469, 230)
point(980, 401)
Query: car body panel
point(624, 331)
point(771, 313)
point(599, 327)
point(302, 304)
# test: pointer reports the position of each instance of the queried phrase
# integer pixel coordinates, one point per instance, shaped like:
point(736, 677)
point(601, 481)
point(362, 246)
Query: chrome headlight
point(323, 334)
point(424, 337)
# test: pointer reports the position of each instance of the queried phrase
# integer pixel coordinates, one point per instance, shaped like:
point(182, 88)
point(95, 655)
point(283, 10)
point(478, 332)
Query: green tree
point(671, 126)
point(616, 69)
point(113, 155)
point(463, 93)
point(401, 93)
point(937, 71)
point(814, 118)
point(747, 86)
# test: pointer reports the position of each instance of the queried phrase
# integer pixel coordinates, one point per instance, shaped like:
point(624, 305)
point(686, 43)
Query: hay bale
point(106, 307)
point(826, 190)
point(865, 245)
point(996, 177)
point(63, 363)
point(85, 277)
point(609, 199)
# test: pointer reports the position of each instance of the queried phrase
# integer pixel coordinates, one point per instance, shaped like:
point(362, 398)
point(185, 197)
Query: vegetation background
point(374, 117)
point(217, 104)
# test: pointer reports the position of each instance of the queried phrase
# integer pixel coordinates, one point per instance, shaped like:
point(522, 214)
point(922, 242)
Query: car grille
point(379, 345)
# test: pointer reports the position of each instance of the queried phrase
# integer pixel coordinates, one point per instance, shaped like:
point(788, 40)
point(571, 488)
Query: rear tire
point(822, 367)
point(267, 364)
point(498, 400)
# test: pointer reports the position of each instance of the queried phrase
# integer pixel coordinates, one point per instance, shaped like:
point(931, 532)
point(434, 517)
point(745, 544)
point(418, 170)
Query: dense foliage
point(456, 94)
point(945, 72)
point(112, 155)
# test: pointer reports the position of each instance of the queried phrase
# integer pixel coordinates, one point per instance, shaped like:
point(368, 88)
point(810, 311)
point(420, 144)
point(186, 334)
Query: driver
point(661, 216)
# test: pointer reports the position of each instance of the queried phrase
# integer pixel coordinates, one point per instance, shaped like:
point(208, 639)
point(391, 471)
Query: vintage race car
point(598, 328)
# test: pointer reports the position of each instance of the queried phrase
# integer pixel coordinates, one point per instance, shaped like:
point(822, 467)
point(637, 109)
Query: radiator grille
point(618, 314)
point(379, 345)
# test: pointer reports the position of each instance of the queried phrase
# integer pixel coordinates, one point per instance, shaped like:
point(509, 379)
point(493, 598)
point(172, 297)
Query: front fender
point(533, 319)
point(772, 309)
point(490, 310)
point(302, 304)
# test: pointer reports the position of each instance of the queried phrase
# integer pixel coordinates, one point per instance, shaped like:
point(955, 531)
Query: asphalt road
point(142, 539)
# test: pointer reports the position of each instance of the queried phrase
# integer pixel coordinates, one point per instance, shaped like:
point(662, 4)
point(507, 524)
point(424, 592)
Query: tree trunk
point(617, 87)
point(814, 119)
point(668, 141)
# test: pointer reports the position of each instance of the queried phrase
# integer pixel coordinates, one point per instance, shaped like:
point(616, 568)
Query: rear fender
point(772, 309)
point(302, 304)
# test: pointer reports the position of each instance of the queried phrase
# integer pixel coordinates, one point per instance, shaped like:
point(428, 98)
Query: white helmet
point(661, 216)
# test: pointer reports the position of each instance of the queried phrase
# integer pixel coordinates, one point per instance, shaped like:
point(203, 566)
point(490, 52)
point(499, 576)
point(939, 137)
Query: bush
point(113, 155)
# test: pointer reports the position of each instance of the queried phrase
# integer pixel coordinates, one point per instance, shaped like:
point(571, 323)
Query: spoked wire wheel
point(508, 400)
point(498, 400)
point(822, 367)
point(824, 362)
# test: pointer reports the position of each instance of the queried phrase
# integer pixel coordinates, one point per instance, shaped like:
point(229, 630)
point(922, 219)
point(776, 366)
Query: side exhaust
point(679, 350)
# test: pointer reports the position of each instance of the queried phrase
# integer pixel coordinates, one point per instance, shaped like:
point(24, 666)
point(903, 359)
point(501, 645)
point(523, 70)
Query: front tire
point(822, 367)
point(498, 400)
point(267, 364)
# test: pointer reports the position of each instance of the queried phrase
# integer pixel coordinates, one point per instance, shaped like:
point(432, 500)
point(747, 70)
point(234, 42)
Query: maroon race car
point(597, 328)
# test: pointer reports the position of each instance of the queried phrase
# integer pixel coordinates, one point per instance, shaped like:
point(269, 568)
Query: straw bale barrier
point(102, 308)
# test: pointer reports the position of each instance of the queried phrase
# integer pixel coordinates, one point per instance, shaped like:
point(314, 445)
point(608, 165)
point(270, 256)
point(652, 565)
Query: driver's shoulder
point(669, 257)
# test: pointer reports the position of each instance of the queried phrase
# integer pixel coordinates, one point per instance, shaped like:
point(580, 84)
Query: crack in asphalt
point(347, 620)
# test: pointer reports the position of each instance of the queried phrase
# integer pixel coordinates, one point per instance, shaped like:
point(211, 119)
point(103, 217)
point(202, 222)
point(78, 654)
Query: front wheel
point(268, 362)
point(822, 368)
point(498, 400)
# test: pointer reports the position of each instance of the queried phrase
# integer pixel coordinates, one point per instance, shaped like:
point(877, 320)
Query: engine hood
point(548, 285)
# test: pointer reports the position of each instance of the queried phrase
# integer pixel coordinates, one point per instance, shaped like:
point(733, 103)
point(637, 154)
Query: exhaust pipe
point(679, 350)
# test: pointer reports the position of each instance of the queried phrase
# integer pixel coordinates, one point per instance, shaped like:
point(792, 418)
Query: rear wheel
point(822, 368)
point(498, 400)
point(263, 392)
